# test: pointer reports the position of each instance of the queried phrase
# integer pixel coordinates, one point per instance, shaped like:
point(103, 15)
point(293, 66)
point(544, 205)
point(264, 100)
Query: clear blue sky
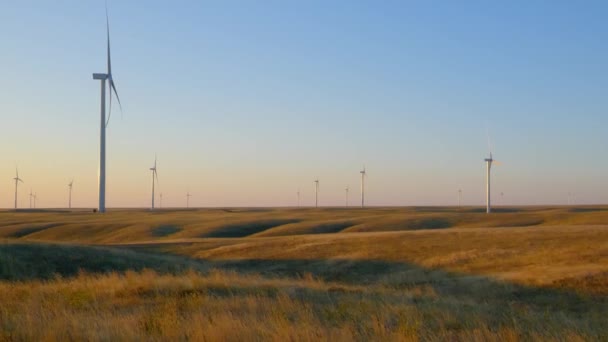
point(246, 101)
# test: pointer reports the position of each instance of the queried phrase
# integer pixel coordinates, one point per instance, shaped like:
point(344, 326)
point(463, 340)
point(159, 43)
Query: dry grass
point(232, 307)
point(374, 274)
point(121, 226)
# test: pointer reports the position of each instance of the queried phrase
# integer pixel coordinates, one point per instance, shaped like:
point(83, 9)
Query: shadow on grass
point(329, 227)
point(33, 229)
point(235, 230)
point(428, 223)
point(165, 230)
point(44, 261)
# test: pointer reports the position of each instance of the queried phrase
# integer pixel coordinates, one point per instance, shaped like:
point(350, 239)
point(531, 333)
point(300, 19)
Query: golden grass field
point(419, 273)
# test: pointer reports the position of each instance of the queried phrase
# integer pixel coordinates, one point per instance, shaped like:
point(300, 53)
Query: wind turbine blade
point(110, 106)
point(112, 88)
point(113, 85)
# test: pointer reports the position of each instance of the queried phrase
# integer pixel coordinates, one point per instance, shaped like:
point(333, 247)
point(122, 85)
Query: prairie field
point(302, 274)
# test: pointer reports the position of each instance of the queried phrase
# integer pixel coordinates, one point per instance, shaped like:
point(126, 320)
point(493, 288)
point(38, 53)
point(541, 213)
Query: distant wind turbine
point(346, 190)
point(459, 198)
point(31, 196)
point(363, 174)
point(154, 180)
point(298, 197)
point(317, 193)
point(104, 123)
point(161, 200)
point(489, 161)
point(70, 196)
point(188, 199)
point(17, 180)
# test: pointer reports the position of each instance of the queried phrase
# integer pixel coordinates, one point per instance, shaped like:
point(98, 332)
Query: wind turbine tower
point(107, 77)
point(298, 197)
point(31, 196)
point(317, 193)
point(489, 162)
point(17, 180)
point(363, 174)
point(459, 198)
point(188, 199)
point(154, 180)
point(70, 195)
point(346, 190)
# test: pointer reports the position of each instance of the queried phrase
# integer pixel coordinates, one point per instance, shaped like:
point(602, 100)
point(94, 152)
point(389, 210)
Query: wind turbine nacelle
point(100, 76)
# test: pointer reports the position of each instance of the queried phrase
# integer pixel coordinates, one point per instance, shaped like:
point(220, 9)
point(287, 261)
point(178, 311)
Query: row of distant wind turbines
point(34, 196)
point(346, 190)
point(107, 78)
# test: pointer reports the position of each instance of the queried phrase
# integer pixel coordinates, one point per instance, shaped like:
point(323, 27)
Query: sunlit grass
point(307, 274)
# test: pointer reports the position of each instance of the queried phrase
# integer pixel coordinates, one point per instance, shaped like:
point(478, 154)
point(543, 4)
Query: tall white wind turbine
point(107, 77)
point(154, 180)
point(70, 185)
point(317, 193)
point(489, 162)
point(363, 174)
point(31, 196)
point(188, 199)
point(17, 180)
point(298, 197)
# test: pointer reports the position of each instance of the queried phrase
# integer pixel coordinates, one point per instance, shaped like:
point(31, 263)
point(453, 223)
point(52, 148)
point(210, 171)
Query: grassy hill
point(305, 274)
point(122, 226)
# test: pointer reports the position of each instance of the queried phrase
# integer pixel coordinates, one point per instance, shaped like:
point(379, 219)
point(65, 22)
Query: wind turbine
point(31, 196)
point(317, 193)
point(104, 123)
point(298, 197)
point(70, 197)
point(363, 174)
point(346, 190)
point(17, 180)
point(154, 180)
point(489, 162)
point(161, 199)
point(188, 199)
point(459, 198)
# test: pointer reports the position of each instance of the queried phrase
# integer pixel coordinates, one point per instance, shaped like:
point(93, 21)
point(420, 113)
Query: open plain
point(433, 273)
